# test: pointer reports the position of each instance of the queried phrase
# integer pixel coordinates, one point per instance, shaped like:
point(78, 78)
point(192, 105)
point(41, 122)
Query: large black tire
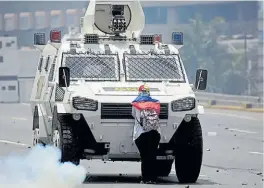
point(164, 167)
point(188, 151)
point(68, 141)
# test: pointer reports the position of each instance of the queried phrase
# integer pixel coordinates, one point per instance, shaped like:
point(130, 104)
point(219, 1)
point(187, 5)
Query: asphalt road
point(233, 151)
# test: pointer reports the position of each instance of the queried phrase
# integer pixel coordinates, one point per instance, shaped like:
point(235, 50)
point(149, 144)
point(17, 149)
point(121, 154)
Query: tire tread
point(189, 151)
point(69, 141)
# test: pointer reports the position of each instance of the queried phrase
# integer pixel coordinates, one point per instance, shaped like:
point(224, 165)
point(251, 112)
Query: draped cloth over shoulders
point(139, 104)
point(146, 102)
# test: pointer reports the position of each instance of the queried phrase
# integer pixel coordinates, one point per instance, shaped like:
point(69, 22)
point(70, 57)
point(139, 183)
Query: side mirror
point(64, 77)
point(201, 79)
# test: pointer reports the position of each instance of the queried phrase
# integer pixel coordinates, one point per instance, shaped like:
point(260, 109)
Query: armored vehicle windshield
point(153, 68)
point(92, 67)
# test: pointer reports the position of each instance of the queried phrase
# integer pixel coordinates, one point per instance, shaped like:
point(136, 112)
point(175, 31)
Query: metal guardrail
point(229, 100)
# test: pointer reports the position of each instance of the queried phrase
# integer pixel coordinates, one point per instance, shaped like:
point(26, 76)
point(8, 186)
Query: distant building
point(9, 66)
point(23, 19)
point(17, 71)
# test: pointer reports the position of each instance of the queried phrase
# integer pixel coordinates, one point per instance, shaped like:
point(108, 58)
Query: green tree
point(201, 50)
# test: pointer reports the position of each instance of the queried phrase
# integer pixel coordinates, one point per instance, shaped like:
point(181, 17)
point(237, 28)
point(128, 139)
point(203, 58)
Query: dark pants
point(147, 144)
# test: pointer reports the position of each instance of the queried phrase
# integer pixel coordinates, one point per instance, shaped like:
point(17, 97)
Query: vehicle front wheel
point(64, 139)
point(188, 151)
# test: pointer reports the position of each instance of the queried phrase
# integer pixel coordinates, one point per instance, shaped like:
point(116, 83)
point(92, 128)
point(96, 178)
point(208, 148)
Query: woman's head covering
point(143, 90)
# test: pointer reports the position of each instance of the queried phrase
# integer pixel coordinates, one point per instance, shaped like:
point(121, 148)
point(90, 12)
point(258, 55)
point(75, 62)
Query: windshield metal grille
point(146, 67)
point(93, 67)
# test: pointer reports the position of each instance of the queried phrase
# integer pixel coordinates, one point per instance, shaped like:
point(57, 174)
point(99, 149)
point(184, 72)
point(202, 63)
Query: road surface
point(233, 151)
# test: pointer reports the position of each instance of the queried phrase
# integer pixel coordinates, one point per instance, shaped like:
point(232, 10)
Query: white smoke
point(40, 168)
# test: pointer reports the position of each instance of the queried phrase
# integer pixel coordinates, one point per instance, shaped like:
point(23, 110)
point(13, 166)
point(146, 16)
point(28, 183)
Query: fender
point(61, 109)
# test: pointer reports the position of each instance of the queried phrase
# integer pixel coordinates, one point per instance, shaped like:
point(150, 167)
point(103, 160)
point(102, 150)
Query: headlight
point(184, 104)
point(82, 103)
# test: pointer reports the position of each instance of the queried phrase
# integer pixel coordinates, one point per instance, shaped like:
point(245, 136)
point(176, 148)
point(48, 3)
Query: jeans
point(147, 144)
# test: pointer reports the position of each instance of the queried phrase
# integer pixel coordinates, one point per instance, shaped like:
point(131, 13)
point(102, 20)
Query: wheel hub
point(35, 137)
point(56, 138)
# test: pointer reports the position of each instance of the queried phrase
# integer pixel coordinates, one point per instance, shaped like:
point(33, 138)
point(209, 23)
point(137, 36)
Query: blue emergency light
point(177, 38)
point(39, 39)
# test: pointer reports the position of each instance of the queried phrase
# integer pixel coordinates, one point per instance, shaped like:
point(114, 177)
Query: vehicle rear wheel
point(164, 167)
point(66, 141)
point(188, 151)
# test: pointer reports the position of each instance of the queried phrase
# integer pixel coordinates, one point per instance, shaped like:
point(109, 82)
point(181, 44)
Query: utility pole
point(247, 68)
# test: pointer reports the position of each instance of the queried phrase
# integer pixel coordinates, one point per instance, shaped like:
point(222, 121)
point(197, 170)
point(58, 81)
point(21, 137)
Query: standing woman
point(147, 141)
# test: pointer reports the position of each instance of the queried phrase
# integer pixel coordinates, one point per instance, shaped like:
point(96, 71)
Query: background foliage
point(227, 73)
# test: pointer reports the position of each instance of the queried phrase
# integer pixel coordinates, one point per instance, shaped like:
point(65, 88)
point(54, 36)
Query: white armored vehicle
point(86, 81)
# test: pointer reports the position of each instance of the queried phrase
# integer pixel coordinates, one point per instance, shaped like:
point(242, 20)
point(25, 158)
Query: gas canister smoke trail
point(40, 168)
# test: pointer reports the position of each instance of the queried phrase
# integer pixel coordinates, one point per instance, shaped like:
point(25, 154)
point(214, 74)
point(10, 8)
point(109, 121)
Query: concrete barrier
point(229, 107)
point(237, 102)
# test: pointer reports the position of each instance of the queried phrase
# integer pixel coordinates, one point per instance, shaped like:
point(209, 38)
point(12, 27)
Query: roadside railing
point(213, 99)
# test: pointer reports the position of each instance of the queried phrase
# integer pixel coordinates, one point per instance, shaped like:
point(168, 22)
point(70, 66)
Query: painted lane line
point(212, 134)
point(15, 143)
point(232, 115)
point(13, 118)
point(26, 104)
point(242, 131)
point(18, 118)
point(202, 175)
point(258, 153)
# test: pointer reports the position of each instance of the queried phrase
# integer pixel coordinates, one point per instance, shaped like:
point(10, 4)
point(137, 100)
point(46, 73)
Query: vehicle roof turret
point(99, 16)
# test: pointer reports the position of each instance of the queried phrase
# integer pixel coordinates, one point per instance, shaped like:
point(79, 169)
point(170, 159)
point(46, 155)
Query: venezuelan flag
point(146, 102)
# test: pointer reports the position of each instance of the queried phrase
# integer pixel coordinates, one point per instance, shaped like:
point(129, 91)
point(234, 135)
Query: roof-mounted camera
point(118, 23)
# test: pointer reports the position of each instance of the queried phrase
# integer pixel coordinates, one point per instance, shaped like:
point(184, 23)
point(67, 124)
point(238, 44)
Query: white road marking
point(15, 143)
point(242, 131)
point(212, 133)
point(13, 118)
point(18, 118)
point(231, 115)
point(201, 175)
point(258, 153)
point(27, 104)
